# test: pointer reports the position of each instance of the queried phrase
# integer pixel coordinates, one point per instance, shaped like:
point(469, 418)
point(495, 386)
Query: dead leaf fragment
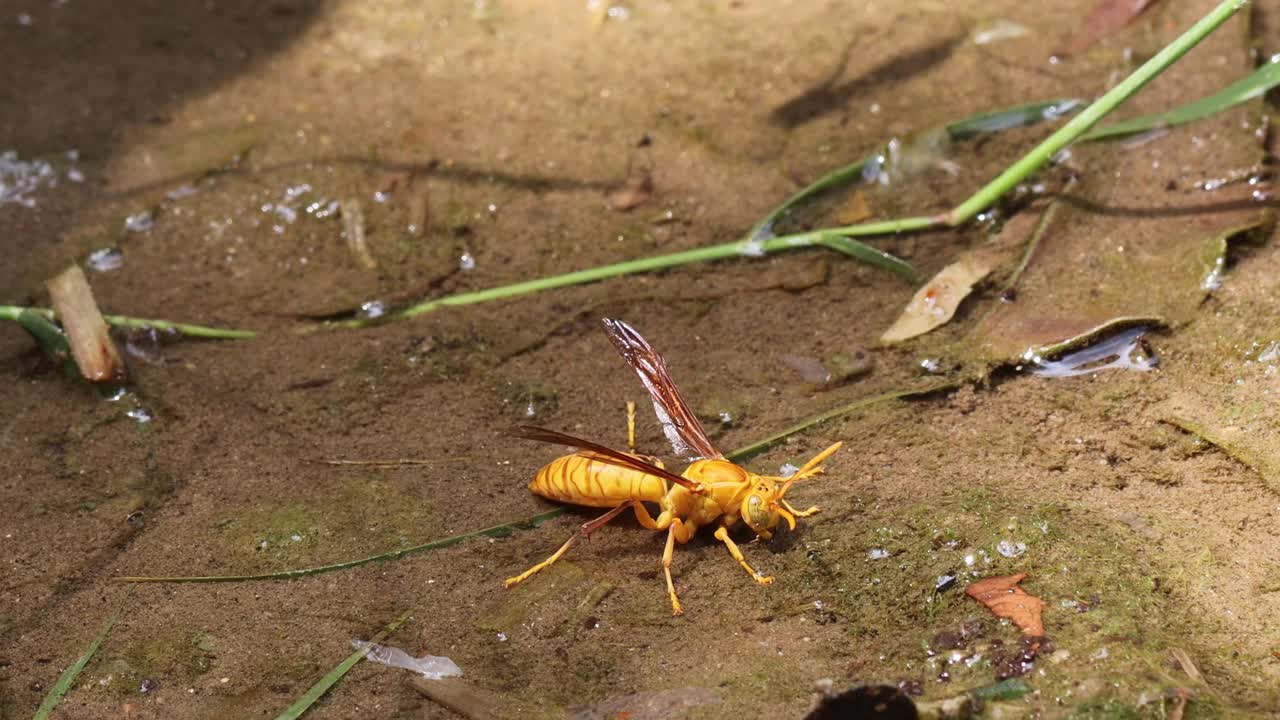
point(1107, 17)
point(855, 209)
point(461, 697)
point(810, 369)
point(91, 346)
point(1183, 658)
point(353, 228)
point(1002, 596)
point(1180, 696)
point(935, 303)
point(634, 192)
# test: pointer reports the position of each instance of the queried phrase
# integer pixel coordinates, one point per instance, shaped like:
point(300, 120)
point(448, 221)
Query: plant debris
point(935, 303)
point(1106, 17)
point(1183, 658)
point(96, 355)
point(353, 228)
point(1002, 596)
point(855, 209)
point(634, 191)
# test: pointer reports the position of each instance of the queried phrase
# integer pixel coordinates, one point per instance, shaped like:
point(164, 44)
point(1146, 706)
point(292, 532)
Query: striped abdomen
point(583, 480)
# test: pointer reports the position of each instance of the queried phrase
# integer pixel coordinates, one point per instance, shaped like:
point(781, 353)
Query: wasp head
point(764, 505)
point(760, 508)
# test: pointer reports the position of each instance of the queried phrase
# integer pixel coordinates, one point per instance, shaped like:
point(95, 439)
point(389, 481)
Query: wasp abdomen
point(583, 480)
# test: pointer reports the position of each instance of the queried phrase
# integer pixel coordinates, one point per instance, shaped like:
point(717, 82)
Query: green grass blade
point(759, 446)
point(869, 255)
point(1255, 85)
point(1014, 117)
point(1087, 118)
point(13, 312)
point(835, 178)
point(68, 676)
point(318, 690)
point(759, 240)
point(502, 530)
point(1007, 689)
point(52, 341)
point(963, 129)
point(724, 251)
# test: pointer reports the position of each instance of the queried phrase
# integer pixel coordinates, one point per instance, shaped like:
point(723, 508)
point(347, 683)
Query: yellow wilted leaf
point(935, 303)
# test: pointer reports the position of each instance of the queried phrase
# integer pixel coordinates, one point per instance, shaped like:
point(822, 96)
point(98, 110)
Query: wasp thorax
point(712, 472)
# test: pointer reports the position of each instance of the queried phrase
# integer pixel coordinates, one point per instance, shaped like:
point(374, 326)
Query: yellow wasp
point(710, 490)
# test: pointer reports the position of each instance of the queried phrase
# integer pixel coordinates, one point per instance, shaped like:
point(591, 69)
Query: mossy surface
point(365, 516)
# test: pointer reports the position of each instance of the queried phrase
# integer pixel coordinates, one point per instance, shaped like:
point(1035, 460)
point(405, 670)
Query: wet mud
point(204, 163)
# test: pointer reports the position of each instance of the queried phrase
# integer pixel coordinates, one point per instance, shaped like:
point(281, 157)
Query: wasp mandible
point(710, 490)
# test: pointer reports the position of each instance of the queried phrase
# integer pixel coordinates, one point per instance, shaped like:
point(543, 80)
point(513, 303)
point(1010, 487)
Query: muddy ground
point(484, 144)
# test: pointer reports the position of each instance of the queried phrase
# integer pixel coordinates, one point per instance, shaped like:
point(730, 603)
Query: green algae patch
point(171, 656)
point(551, 593)
point(1113, 610)
point(364, 515)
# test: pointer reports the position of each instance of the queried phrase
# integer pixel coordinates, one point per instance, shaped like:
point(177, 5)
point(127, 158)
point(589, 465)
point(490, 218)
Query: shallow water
point(221, 150)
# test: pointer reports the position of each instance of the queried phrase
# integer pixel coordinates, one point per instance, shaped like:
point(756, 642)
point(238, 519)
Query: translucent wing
point(679, 424)
point(604, 454)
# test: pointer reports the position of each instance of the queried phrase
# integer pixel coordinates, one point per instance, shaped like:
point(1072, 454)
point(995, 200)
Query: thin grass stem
point(1254, 85)
point(1080, 124)
point(321, 687)
point(501, 530)
point(68, 676)
point(12, 312)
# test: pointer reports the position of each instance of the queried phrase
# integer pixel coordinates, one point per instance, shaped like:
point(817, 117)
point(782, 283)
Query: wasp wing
point(679, 424)
point(604, 454)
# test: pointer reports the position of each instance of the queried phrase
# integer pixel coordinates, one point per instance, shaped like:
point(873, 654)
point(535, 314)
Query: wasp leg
point(723, 536)
point(677, 531)
point(594, 525)
point(586, 529)
point(631, 426)
point(646, 520)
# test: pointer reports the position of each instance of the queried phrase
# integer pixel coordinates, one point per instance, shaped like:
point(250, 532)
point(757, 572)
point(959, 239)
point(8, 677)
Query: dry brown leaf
point(1106, 17)
point(810, 369)
point(1188, 665)
point(935, 303)
point(353, 228)
point(634, 191)
point(855, 209)
point(1180, 696)
point(91, 345)
point(1002, 596)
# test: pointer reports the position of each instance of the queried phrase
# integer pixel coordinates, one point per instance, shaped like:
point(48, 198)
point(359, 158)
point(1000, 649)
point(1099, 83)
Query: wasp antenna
point(810, 468)
point(786, 515)
point(799, 513)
